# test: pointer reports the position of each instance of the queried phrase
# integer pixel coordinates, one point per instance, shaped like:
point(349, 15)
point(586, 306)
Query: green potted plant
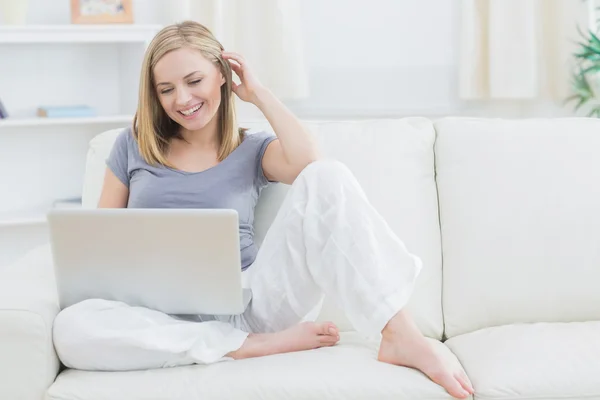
point(586, 77)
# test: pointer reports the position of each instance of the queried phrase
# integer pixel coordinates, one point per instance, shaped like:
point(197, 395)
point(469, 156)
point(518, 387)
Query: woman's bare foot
point(403, 344)
point(304, 336)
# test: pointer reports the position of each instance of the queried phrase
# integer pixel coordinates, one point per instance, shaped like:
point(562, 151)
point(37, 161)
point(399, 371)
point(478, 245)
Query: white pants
point(326, 239)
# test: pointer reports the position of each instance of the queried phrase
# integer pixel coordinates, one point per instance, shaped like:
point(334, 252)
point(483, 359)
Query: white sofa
point(506, 218)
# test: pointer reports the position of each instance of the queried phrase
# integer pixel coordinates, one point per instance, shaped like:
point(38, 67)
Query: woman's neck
point(205, 138)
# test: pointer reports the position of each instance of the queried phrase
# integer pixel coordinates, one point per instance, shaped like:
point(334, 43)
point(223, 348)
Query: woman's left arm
point(285, 158)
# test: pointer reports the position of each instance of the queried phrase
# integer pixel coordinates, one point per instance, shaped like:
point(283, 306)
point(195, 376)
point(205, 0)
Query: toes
point(329, 334)
point(452, 385)
point(329, 328)
point(328, 340)
point(465, 382)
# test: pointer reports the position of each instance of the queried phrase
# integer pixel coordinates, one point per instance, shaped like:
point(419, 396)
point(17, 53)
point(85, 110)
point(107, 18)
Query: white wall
point(392, 58)
point(367, 58)
point(380, 56)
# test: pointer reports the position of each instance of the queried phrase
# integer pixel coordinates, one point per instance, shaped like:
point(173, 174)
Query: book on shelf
point(65, 111)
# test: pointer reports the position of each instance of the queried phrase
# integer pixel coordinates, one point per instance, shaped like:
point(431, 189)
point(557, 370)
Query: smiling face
point(183, 68)
point(188, 87)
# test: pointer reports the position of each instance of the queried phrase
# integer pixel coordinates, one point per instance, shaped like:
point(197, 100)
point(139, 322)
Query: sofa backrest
point(520, 221)
point(393, 160)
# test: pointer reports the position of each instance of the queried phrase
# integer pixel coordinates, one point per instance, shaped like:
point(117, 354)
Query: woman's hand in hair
point(249, 86)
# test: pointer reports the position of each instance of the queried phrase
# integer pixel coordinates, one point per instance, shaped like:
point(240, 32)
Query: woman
point(185, 150)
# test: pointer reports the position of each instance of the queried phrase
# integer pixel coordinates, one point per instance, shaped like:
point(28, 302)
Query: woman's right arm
point(114, 193)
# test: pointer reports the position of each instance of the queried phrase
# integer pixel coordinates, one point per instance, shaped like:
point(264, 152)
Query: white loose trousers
point(327, 239)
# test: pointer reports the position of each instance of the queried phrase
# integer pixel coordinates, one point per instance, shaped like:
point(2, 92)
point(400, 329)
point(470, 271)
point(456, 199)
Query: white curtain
point(518, 49)
point(266, 32)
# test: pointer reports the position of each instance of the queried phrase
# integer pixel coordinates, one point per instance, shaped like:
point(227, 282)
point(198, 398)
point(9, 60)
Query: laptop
point(178, 261)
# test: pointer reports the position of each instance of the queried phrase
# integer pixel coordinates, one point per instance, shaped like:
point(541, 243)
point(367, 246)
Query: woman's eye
point(195, 82)
point(166, 91)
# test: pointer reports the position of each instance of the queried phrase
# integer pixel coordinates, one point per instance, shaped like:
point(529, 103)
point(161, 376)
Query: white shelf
point(23, 218)
point(41, 122)
point(78, 33)
point(33, 216)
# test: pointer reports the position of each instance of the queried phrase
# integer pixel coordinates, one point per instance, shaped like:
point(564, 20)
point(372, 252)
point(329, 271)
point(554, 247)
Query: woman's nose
point(183, 97)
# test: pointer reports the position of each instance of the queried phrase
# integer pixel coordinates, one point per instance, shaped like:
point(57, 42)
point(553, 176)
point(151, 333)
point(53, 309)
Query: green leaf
point(587, 56)
point(594, 40)
point(591, 42)
point(588, 51)
point(571, 98)
point(580, 103)
point(583, 91)
point(595, 112)
point(593, 69)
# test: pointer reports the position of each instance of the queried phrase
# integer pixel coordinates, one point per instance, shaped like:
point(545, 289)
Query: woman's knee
point(73, 329)
point(327, 171)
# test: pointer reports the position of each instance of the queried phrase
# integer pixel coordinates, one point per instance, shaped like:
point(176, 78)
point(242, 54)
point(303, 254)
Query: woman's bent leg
point(112, 336)
point(327, 238)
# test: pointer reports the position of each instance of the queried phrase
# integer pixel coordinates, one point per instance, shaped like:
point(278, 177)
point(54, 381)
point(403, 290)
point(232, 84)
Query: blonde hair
point(152, 127)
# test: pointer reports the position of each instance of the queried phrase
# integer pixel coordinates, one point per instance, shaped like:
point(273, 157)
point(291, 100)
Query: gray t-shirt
point(235, 183)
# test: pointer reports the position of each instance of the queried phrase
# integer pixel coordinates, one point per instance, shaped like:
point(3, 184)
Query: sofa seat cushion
point(532, 361)
point(348, 370)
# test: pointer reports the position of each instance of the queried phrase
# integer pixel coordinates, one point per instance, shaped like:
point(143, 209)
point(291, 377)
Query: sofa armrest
point(28, 305)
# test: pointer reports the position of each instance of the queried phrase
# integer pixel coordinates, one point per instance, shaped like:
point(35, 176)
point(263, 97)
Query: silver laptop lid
point(178, 261)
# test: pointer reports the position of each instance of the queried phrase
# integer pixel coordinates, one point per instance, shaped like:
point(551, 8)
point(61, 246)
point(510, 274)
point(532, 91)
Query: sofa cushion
point(532, 361)
point(393, 162)
point(520, 221)
point(28, 306)
point(348, 370)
